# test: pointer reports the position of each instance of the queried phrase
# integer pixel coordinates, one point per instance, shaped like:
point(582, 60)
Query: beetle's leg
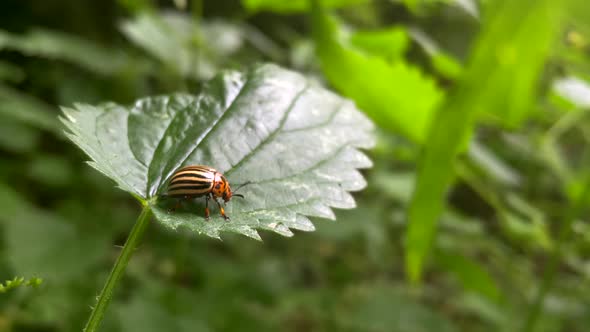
point(207, 207)
point(221, 210)
point(178, 203)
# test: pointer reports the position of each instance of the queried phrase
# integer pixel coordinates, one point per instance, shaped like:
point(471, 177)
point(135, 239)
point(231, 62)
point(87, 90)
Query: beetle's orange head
point(227, 194)
point(221, 187)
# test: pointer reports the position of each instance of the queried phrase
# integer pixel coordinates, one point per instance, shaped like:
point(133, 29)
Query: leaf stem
point(118, 269)
point(549, 277)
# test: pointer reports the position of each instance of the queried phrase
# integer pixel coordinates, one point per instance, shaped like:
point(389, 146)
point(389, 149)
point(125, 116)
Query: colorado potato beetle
point(196, 181)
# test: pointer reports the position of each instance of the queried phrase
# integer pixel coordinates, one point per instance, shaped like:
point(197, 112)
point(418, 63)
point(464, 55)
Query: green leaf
point(17, 137)
point(296, 142)
point(293, 6)
point(470, 273)
point(524, 231)
point(56, 45)
point(500, 78)
point(50, 170)
point(43, 244)
point(188, 47)
point(510, 56)
point(444, 63)
point(390, 43)
point(397, 96)
point(27, 109)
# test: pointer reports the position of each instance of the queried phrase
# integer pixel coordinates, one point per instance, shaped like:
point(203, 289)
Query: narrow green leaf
point(492, 81)
point(296, 142)
point(293, 6)
point(511, 54)
point(397, 96)
point(435, 173)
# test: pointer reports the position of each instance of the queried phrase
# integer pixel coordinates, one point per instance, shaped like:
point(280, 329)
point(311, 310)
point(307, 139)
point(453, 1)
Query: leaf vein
point(207, 133)
point(286, 206)
point(310, 169)
point(276, 132)
point(149, 182)
point(322, 124)
point(134, 153)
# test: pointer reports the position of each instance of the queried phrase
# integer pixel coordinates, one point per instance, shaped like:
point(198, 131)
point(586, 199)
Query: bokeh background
point(520, 69)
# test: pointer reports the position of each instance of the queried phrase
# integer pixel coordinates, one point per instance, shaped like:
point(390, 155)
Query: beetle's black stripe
point(189, 181)
point(187, 193)
point(190, 186)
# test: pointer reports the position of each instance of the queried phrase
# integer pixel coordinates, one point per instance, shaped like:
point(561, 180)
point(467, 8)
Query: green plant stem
point(549, 277)
point(118, 269)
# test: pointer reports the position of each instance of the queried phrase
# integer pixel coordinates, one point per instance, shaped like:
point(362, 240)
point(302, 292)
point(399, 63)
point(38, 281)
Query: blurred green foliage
point(481, 105)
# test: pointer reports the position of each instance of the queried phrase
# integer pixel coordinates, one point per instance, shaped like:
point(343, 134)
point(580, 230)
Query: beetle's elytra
point(197, 181)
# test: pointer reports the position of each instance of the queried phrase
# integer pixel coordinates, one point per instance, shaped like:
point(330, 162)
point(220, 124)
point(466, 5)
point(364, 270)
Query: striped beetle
point(197, 181)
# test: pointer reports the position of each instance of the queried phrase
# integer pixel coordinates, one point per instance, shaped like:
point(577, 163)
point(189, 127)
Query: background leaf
point(188, 48)
point(294, 141)
point(510, 55)
point(400, 97)
point(27, 109)
point(56, 45)
point(390, 44)
point(494, 83)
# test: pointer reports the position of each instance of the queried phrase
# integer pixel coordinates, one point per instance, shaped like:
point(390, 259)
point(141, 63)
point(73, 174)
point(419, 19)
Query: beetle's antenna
point(240, 186)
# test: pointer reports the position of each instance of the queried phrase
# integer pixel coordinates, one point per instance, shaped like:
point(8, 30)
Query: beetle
point(197, 181)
